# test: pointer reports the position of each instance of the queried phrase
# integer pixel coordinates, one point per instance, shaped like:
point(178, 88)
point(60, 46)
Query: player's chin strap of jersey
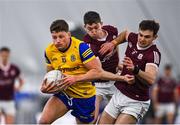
point(70, 99)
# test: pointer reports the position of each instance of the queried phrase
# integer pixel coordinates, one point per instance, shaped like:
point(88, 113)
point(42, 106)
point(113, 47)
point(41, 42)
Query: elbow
point(99, 74)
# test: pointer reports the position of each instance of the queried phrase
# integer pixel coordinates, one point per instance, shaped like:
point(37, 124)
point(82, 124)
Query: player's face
point(4, 55)
point(61, 39)
point(94, 30)
point(167, 72)
point(145, 38)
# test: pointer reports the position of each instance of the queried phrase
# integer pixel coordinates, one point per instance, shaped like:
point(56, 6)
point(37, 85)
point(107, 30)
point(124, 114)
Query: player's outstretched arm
point(96, 72)
point(109, 46)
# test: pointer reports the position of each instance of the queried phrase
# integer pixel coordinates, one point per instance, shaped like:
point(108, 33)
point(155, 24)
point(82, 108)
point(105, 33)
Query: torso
point(108, 63)
point(7, 80)
point(166, 87)
point(70, 63)
point(140, 57)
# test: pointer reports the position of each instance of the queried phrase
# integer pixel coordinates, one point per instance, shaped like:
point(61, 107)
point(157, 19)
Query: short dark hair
point(59, 25)
point(4, 49)
point(149, 25)
point(168, 67)
point(91, 17)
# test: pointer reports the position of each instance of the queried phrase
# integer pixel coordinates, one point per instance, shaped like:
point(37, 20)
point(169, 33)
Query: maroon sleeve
point(18, 71)
point(111, 29)
point(154, 57)
point(133, 38)
point(86, 38)
point(175, 83)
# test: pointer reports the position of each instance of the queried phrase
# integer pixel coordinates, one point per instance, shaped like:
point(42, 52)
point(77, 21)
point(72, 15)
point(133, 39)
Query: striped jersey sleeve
point(86, 53)
point(154, 57)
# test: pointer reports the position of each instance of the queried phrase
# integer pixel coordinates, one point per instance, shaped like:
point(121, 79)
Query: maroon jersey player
point(97, 35)
point(142, 59)
point(165, 96)
point(8, 74)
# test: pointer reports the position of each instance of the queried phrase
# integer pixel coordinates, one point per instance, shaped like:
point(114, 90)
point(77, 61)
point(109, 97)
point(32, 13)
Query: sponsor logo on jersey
point(140, 56)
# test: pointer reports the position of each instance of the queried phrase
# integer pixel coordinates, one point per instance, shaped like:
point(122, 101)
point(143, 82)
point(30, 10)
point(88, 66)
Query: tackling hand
point(106, 47)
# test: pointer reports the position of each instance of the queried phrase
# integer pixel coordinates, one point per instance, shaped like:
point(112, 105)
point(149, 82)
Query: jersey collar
point(5, 67)
point(67, 47)
point(141, 48)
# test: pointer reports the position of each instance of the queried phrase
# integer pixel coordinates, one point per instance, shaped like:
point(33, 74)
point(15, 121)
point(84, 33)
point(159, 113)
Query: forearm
point(89, 76)
point(120, 38)
point(155, 95)
point(99, 74)
point(110, 76)
point(146, 78)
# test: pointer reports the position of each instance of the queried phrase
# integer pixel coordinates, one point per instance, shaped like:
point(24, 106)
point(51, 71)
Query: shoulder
point(84, 49)
point(49, 52)
point(15, 67)
point(87, 38)
point(154, 52)
point(50, 48)
point(110, 29)
point(154, 48)
point(76, 42)
point(83, 46)
point(85, 52)
point(132, 36)
point(74, 39)
point(152, 56)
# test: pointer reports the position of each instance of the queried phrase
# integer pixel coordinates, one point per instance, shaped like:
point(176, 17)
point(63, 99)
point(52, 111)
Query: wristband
point(136, 70)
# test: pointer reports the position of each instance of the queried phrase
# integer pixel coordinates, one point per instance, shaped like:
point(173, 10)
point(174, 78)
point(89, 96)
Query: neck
point(4, 63)
point(65, 49)
point(103, 33)
point(144, 47)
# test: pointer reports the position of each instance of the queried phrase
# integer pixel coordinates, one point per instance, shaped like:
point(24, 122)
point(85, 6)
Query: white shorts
point(120, 103)
point(163, 109)
point(104, 89)
point(7, 107)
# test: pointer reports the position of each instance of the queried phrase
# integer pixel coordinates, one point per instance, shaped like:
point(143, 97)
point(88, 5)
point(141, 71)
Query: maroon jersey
point(108, 63)
point(178, 87)
point(140, 57)
point(166, 87)
point(7, 80)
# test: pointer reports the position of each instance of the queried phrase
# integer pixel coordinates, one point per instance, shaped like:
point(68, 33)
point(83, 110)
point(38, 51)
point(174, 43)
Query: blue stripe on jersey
point(46, 58)
point(85, 52)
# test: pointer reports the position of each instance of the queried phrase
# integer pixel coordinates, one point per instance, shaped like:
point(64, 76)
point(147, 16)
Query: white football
point(53, 76)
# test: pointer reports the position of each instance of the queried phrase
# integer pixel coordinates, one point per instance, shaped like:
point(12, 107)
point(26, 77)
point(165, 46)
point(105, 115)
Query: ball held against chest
point(53, 76)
